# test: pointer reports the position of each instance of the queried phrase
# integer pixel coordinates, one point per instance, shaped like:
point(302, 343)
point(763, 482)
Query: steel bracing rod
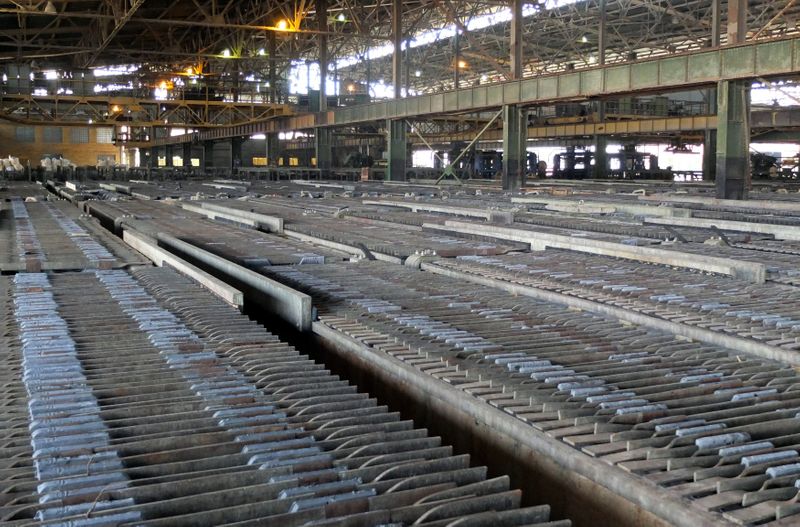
point(119, 23)
point(779, 14)
point(414, 129)
point(779, 88)
point(449, 168)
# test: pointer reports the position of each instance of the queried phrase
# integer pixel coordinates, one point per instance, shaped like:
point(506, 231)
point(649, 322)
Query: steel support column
point(515, 138)
point(398, 150)
point(516, 38)
point(716, 7)
point(152, 157)
point(733, 139)
point(273, 149)
point(236, 153)
point(273, 77)
point(323, 151)
point(737, 21)
point(186, 155)
point(733, 118)
point(322, 40)
point(456, 61)
point(710, 136)
point(397, 40)
point(709, 155)
point(169, 152)
point(601, 35)
point(407, 66)
point(600, 169)
point(208, 155)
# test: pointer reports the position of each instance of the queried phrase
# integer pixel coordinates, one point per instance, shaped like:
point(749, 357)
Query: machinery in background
point(358, 160)
point(790, 168)
point(768, 166)
point(12, 169)
point(625, 164)
point(573, 164)
point(630, 164)
point(485, 164)
point(764, 166)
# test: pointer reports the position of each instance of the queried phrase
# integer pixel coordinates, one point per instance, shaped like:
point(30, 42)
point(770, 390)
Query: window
point(106, 160)
point(25, 134)
point(105, 135)
point(52, 134)
point(78, 135)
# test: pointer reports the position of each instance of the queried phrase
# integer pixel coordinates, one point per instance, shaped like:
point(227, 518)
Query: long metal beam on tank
point(293, 306)
point(767, 205)
point(780, 232)
point(750, 271)
point(717, 338)
point(578, 205)
point(149, 247)
point(265, 221)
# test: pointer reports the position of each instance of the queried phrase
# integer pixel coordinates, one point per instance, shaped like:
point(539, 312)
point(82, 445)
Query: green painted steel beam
point(706, 67)
point(515, 137)
point(733, 139)
point(709, 66)
point(323, 150)
point(398, 150)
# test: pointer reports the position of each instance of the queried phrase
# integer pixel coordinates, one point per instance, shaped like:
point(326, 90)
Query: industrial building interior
point(400, 262)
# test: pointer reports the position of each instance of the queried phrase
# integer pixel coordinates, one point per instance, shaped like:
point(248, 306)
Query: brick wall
point(82, 154)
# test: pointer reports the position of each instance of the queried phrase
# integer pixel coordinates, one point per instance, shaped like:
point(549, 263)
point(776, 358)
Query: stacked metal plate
point(717, 430)
point(142, 399)
point(52, 235)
